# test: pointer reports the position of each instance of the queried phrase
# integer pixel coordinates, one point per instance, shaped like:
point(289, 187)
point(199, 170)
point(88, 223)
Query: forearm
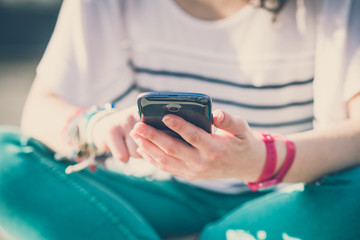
point(320, 152)
point(45, 116)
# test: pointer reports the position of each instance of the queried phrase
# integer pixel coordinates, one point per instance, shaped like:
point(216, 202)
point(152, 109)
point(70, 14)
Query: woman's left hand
point(232, 152)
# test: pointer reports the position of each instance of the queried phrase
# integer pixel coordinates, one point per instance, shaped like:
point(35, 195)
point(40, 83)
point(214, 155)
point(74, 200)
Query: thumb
point(231, 124)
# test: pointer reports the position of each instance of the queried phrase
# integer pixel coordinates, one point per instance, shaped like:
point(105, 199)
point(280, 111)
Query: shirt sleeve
point(352, 71)
point(337, 73)
point(85, 54)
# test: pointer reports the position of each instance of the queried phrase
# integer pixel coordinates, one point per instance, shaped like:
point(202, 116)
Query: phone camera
point(174, 109)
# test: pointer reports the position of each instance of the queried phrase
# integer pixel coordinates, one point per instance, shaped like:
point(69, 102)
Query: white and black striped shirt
point(252, 67)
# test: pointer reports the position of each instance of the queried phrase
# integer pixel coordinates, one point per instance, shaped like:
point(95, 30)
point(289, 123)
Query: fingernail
point(169, 121)
point(135, 134)
point(123, 158)
point(221, 117)
point(136, 138)
point(140, 150)
point(131, 133)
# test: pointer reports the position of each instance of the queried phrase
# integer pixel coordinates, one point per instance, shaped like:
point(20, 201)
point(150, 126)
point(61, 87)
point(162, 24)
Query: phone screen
point(193, 107)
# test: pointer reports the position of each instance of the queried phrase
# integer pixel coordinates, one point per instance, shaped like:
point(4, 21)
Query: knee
point(9, 135)
point(10, 142)
point(12, 148)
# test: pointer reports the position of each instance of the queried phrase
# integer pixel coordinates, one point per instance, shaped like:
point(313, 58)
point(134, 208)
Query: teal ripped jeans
point(39, 201)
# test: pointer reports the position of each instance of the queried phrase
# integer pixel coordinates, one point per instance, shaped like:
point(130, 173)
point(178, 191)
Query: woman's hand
point(111, 133)
point(232, 152)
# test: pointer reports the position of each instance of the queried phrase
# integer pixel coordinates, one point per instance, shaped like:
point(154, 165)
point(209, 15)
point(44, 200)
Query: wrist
point(274, 170)
point(79, 135)
point(267, 161)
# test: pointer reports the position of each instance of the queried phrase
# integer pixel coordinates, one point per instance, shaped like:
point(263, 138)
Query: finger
point(147, 156)
point(135, 113)
point(132, 147)
point(170, 145)
point(116, 144)
point(130, 143)
point(194, 135)
point(126, 115)
point(163, 167)
point(229, 123)
point(163, 160)
point(132, 112)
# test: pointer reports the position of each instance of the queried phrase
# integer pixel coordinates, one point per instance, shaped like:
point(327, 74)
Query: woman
point(272, 68)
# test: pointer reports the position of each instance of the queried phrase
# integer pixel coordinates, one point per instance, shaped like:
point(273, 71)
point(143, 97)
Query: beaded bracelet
point(79, 136)
point(71, 129)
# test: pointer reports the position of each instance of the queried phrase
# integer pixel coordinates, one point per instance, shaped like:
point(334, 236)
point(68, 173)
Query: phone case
point(193, 107)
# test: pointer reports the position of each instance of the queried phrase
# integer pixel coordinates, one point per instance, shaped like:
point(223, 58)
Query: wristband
point(69, 128)
point(289, 159)
point(79, 134)
point(270, 164)
point(71, 118)
point(94, 120)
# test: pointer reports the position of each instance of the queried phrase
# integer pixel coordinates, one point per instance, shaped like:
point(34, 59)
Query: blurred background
point(25, 29)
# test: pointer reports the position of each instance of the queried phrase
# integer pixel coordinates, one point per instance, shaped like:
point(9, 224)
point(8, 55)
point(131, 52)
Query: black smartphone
point(193, 107)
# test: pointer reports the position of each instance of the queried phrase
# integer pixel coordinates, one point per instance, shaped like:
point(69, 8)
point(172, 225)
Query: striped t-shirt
point(261, 70)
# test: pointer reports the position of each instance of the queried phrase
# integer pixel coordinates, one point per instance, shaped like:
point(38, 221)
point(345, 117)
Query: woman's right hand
point(111, 134)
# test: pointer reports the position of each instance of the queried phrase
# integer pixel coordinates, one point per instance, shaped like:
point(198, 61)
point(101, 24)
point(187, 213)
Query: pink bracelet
point(289, 159)
point(270, 164)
